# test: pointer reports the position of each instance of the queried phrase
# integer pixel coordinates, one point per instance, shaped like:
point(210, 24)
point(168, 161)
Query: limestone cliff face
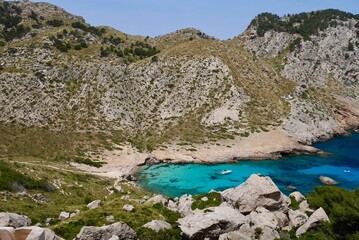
point(57, 71)
point(324, 65)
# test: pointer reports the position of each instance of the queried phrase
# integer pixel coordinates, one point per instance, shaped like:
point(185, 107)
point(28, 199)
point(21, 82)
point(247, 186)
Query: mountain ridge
point(184, 87)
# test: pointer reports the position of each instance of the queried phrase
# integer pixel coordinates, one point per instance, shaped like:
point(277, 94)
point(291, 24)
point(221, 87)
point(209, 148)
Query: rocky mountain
point(60, 75)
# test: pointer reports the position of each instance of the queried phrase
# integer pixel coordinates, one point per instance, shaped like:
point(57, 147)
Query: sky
point(222, 19)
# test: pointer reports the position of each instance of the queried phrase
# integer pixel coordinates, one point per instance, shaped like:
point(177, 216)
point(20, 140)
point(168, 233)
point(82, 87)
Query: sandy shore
point(264, 145)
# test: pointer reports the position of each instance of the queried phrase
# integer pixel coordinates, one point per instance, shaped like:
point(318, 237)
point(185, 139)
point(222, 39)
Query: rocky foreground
point(256, 209)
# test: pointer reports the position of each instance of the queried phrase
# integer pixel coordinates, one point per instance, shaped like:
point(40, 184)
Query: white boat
point(347, 171)
point(224, 172)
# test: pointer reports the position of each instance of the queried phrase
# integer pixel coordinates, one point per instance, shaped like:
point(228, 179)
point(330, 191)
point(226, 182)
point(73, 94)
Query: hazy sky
point(220, 18)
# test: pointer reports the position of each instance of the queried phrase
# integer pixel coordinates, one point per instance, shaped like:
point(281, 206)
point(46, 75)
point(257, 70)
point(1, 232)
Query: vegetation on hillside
point(305, 24)
point(342, 207)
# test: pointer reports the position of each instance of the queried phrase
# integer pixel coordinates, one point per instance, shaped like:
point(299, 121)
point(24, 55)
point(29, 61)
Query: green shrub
point(342, 207)
point(9, 177)
point(88, 161)
point(55, 22)
point(214, 200)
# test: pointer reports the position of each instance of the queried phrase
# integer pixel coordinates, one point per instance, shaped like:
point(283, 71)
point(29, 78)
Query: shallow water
point(302, 172)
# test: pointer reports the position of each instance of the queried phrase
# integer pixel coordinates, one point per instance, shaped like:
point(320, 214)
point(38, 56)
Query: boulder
point(94, 204)
point(172, 206)
point(313, 222)
point(157, 225)
point(63, 216)
point(158, 199)
point(14, 220)
point(257, 191)
point(119, 229)
point(119, 189)
point(185, 205)
point(50, 235)
point(204, 199)
point(211, 222)
point(7, 233)
point(110, 219)
point(297, 218)
point(30, 233)
point(245, 232)
point(268, 234)
point(327, 180)
point(129, 208)
point(261, 217)
point(304, 207)
point(297, 196)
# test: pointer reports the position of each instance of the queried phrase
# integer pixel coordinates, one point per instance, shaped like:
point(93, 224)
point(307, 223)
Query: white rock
point(172, 206)
point(7, 233)
point(114, 237)
point(157, 225)
point(94, 204)
point(119, 189)
point(314, 220)
point(245, 232)
point(327, 180)
point(158, 199)
point(63, 216)
point(256, 191)
point(110, 219)
point(269, 234)
point(129, 208)
point(209, 223)
point(297, 217)
point(304, 207)
point(204, 199)
point(14, 220)
point(185, 205)
point(120, 229)
point(297, 196)
point(262, 217)
point(31, 233)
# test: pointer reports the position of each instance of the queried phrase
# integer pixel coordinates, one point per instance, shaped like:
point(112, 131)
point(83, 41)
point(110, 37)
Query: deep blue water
point(300, 171)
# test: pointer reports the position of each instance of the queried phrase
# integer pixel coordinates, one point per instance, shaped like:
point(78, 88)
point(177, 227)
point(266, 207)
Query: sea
point(341, 163)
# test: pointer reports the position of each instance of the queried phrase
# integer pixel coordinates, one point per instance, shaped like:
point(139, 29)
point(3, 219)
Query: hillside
point(79, 88)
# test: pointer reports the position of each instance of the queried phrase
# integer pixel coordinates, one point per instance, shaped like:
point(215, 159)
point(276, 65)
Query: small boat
point(224, 172)
point(347, 171)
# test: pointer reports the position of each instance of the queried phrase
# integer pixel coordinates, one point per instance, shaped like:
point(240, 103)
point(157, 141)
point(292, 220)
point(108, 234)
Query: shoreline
point(273, 144)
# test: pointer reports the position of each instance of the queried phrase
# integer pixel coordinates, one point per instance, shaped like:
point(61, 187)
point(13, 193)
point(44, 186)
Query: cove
point(303, 172)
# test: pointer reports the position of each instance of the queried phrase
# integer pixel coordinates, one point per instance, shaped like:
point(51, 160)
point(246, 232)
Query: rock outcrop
point(27, 233)
point(211, 222)
point(158, 225)
point(119, 230)
point(327, 180)
point(94, 204)
point(14, 220)
point(256, 191)
point(313, 222)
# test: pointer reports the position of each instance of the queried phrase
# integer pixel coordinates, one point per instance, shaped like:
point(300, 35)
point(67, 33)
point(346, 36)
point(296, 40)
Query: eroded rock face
point(158, 225)
point(212, 222)
point(261, 217)
point(120, 229)
point(14, 220)
point(313, 222)
point(257, 191)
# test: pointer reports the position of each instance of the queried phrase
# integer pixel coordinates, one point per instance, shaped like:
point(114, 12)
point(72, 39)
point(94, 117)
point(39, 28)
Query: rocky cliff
point(59, 73)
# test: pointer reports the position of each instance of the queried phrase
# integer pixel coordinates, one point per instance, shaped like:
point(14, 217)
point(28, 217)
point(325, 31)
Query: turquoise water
point(300, 171)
